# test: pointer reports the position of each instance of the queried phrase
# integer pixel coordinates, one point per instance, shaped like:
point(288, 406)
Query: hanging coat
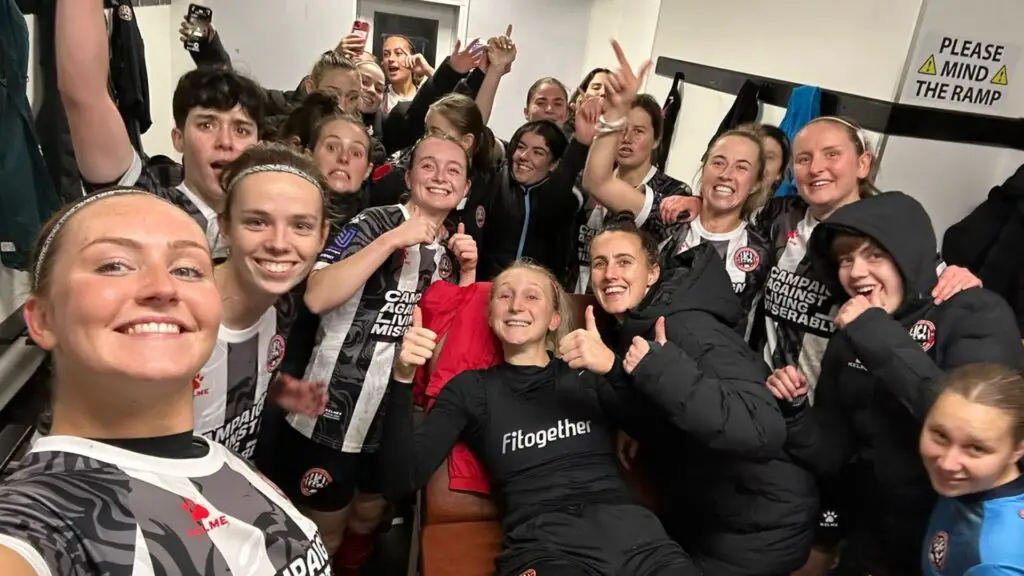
point(27, 197)
point(670, 114)
point(129, 80)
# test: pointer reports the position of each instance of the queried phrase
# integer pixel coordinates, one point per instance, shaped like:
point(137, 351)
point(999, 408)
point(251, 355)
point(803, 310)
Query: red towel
point(459, 315)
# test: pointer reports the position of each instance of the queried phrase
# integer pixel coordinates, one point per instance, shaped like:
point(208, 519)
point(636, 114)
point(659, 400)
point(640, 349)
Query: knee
point(331, 526)
point(365, 512)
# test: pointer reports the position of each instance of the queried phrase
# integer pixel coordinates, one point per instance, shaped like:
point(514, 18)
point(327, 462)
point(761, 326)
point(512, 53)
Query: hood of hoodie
point(698, 282)
point(897, 223)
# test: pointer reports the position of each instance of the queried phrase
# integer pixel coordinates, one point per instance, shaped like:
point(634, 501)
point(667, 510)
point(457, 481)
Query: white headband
point(260, 168)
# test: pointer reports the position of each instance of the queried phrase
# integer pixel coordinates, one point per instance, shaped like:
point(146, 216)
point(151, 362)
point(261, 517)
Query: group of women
point(797, 372)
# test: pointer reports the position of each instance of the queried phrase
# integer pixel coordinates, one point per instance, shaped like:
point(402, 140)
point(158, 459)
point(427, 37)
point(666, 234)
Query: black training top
point(544, 435)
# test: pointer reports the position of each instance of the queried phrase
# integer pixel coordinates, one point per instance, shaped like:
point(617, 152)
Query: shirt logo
point(517, 440)
point(923, 332)
point(345, 238)
point(314, 480)
point(529, 572)
point(275, 352)
point(201, 516)
point(937, 551)
point(444, 268)
point(124, 12)
point(481, 216)
point(746, 259)
point(197, 386)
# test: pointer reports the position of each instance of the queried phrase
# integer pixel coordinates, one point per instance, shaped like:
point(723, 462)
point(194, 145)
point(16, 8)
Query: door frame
point(461, 21)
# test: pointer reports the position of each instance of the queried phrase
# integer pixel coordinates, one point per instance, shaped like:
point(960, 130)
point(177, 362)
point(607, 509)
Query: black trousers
point(593, 540)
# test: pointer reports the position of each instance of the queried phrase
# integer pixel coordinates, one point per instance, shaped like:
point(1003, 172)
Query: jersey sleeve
point(353, 237)
point(134, 176)
point(410, 458)
point(36, 536)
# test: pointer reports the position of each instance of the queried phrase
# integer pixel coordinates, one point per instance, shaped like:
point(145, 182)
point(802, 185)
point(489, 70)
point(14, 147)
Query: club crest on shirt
point(275, 352)
point(124, 12)
point(937, 551)
point(314, 480)
point(923, 332)
point(529, 572)
point(746, 259)
point(481, 216)
point(444, 268)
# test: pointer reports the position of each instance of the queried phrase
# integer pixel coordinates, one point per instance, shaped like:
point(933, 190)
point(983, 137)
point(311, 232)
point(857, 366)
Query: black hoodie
point(730, 496)
point(881, 373)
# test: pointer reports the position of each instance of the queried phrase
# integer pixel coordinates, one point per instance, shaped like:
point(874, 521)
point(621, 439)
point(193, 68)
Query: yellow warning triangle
point(928, 67)
point(1000, 77)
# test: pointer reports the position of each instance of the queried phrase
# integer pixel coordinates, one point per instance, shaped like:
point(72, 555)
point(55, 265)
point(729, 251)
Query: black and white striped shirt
point(77, 507)
point(230, 391)
point(356, 342)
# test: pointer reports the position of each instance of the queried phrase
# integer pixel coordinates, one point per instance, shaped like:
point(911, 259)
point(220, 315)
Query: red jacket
point(459, 315)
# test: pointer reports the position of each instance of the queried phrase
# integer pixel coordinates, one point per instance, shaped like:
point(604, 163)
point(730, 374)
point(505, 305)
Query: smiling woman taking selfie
point(123, 296)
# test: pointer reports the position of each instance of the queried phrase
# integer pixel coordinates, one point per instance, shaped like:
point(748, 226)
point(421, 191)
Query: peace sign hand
point(623, 84)
point(640, 346)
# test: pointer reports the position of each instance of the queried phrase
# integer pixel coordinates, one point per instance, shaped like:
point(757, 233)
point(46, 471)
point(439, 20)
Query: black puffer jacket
point(730, 496)
point(881, 373)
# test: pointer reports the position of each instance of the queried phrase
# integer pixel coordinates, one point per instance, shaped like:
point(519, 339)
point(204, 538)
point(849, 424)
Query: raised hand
point(502, 51)
point(464, 60)
point(417, 348)
point(587, 117)
point(623, 84)
point(640, 346)
point(464, 247)
point(351, 46)
point(299, 396)
point(583, 348)
point(787, 384)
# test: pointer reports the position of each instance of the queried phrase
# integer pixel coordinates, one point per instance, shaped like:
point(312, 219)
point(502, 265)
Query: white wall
point(278, 41)
point(951, 179)
point(551, 38)
point(839, 45)
point(632, 22)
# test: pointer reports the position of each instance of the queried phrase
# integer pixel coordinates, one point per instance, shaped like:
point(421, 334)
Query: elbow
point(313, 297)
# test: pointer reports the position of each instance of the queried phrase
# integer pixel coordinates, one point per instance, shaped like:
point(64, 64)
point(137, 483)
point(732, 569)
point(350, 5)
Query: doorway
point(432, 26)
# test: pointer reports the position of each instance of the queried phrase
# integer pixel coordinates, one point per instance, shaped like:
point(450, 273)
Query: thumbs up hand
point(417, 348)
point(583, 348)
point(641, 347)
point(463, 247)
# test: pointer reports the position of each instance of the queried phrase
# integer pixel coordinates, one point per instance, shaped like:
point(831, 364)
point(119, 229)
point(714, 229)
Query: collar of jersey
point(126, 459)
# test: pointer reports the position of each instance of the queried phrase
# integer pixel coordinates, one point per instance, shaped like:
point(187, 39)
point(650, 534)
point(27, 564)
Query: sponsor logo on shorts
point(314, 480)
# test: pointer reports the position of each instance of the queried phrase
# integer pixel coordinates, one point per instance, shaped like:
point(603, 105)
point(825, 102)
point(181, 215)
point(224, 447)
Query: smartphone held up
point(198, 24)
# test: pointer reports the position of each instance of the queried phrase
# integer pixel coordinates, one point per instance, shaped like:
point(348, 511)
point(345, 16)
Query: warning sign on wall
point(973, 74)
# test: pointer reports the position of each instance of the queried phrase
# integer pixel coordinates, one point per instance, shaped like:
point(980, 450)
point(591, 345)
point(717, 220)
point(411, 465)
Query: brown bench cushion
point(459, 549)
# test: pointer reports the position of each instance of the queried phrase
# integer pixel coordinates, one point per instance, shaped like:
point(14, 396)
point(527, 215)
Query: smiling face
point(730, 174)
point(209, 141)
point(968, 447)
point(522, 308)
point(372, 94)
point(342, 154)
point(620, 271)
point(275, 230)
point(827, 167)
point(866, 269)
point(437, 177)
point(532, 160)
point(129, 294)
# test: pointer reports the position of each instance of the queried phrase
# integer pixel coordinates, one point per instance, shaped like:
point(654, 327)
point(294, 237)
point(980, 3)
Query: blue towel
point(804, 106)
